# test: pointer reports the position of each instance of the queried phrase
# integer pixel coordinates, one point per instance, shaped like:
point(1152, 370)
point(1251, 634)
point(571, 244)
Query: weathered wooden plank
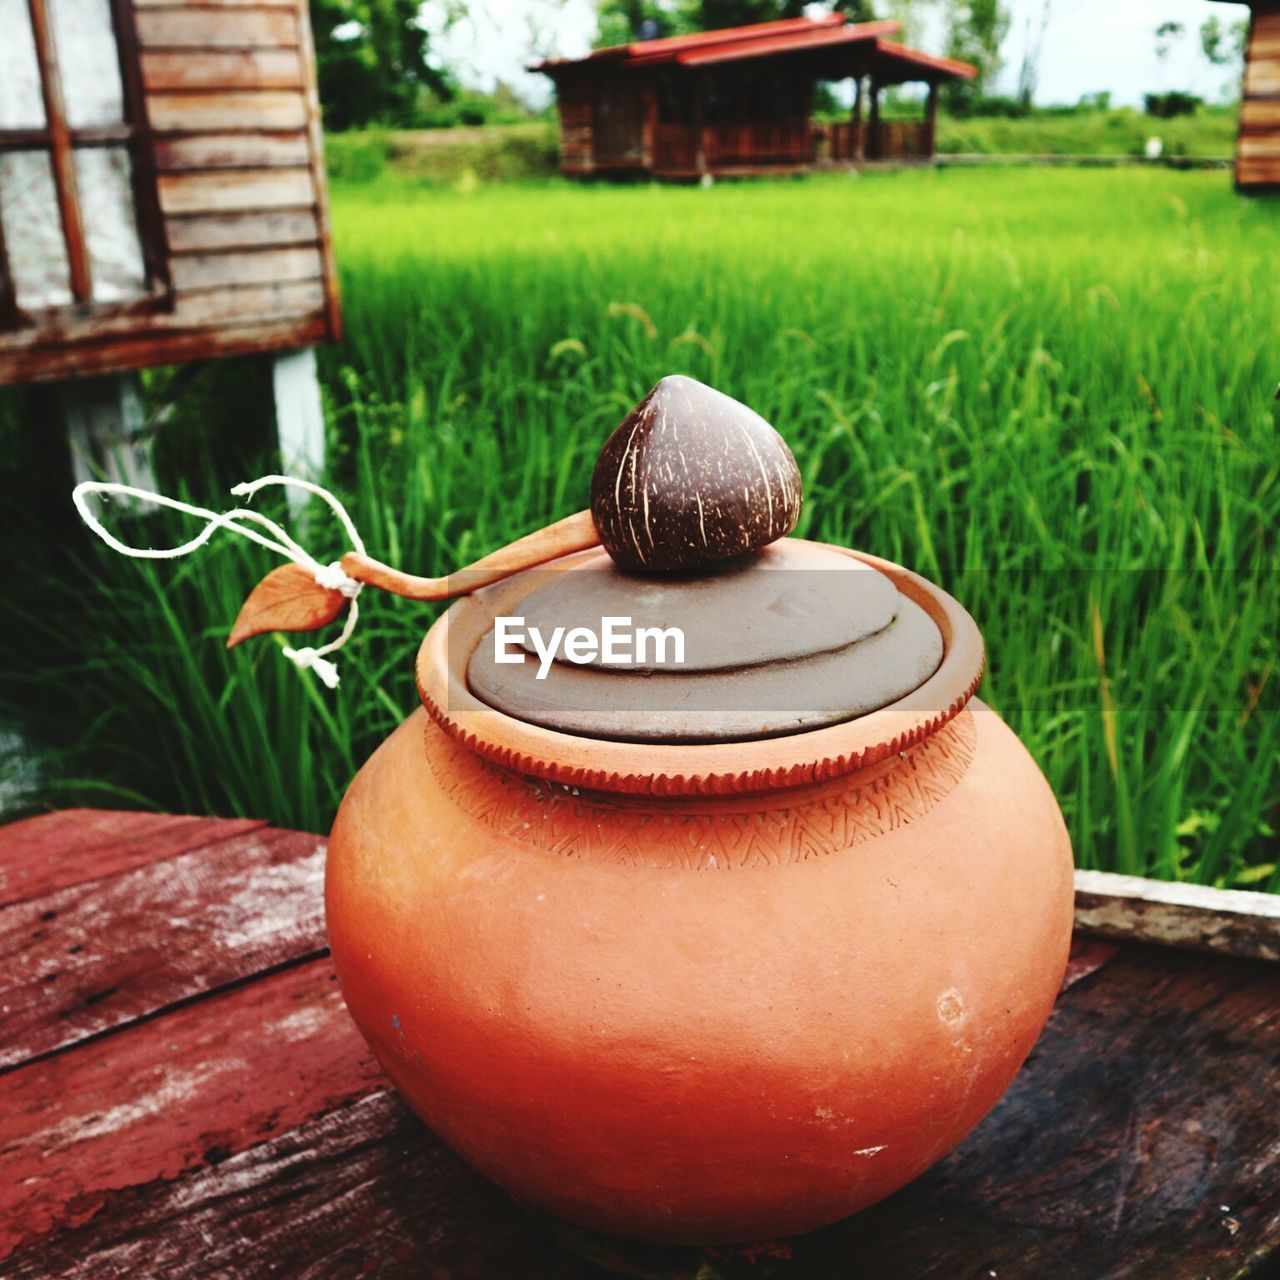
point(1259, 146)
point(262, 302)
point(202, 232)
point(247, 189)
point(189, 27)
point(315, 134)
point(1228, 921)
point(1266, 25)
point(228, 69)
point(366, 1191)
point(1086, 957)
point(56, 850)
point(218, 270)
point(97, 956)
point(1262, 78)
point(1264, 48)
point(99, 353)
point(1139, 1140)
point(1259, 114)
point(231, 151)
point(1258, 173)
point(173, 1094)
point(239, 307)
point(212, 112)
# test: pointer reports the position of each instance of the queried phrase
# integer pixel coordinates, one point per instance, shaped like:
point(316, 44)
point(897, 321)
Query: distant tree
point(625, 21)
point(708, 15)
point(911, 14)
point(975, 33)
point(1167, 35)
point(1033, 48)
point(1213, 39)
point(855, 10)
point(1223, 44)
point(372, 62)
point(1165, 106)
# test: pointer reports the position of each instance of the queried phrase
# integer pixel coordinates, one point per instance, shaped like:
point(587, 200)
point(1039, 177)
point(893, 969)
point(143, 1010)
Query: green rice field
point(1048, 390)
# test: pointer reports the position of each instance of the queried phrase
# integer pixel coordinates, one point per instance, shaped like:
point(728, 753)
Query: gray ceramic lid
point(794, 637)
point(789, 600)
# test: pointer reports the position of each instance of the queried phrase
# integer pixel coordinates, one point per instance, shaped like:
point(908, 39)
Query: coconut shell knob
point(692, 477)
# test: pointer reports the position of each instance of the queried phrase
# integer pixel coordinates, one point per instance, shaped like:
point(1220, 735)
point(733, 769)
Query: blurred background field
point(500, 152)
point(1050, 391)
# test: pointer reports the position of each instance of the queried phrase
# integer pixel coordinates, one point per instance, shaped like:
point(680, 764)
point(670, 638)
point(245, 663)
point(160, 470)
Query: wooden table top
point(182, 1094)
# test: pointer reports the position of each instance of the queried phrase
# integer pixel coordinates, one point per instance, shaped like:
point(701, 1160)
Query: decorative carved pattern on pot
point(754, 832)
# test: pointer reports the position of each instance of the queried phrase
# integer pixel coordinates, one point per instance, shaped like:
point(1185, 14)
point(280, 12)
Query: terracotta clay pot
point(702, 993)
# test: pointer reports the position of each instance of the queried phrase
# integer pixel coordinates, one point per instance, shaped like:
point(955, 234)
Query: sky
point(1089, 45)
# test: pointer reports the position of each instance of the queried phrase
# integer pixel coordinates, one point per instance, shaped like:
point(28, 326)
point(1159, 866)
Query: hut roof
point(809, 38)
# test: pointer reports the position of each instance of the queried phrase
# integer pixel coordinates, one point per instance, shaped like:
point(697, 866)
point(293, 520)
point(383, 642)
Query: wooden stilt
point(873, 149)
point(299, 419)
point(106, 429)
point(857, 150)
point(700, 159)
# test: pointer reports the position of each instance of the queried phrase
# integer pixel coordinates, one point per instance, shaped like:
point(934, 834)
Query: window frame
point(60, 141)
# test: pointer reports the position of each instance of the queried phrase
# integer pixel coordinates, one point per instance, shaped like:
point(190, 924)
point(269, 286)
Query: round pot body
point(701, 993)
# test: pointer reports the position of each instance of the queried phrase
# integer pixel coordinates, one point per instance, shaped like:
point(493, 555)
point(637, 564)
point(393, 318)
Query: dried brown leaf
point(287, 599)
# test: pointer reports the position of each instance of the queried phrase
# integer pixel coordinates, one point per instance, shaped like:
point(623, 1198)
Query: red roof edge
point(670, 46)
point(763, 39)
point(930, 61)
point(790, 42)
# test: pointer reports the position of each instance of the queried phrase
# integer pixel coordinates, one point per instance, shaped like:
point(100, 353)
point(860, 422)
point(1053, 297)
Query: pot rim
point(679, 769)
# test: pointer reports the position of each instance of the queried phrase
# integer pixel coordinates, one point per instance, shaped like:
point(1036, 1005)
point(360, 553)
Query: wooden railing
point(744, 144)
point(904, 140)
point(889, 140)
point(684, 148)
point(842, 141)
point(722, 146)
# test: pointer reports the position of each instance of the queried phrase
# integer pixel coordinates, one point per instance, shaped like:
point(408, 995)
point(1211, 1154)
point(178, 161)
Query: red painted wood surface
point(99, 954)
point(51, 852)
point(217, 1114)
point(172, 1094)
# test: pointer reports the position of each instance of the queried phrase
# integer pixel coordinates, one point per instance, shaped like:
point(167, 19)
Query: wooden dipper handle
point(574, 533)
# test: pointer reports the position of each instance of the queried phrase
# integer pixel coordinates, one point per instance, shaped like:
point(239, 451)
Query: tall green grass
point(1119, 132)
point(1049, 391)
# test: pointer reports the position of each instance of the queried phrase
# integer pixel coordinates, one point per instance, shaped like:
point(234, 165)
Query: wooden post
point(873, 150)
point(106, 429)
point(62, 162)
point(931, 121)
point(857, 146)
point(809, 141)
point(700, 157)
point(649, 123)
point(299, 419)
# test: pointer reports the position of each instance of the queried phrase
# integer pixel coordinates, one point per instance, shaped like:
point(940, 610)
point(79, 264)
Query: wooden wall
point(575, 98)
point(1258, 147)
point(233, 120)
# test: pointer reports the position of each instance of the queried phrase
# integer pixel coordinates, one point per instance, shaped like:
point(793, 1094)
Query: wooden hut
point(1258, 144)
point(162, 188)
point(739, 101)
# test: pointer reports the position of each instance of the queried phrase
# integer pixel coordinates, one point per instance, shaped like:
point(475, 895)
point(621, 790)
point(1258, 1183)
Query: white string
point(242, 521)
